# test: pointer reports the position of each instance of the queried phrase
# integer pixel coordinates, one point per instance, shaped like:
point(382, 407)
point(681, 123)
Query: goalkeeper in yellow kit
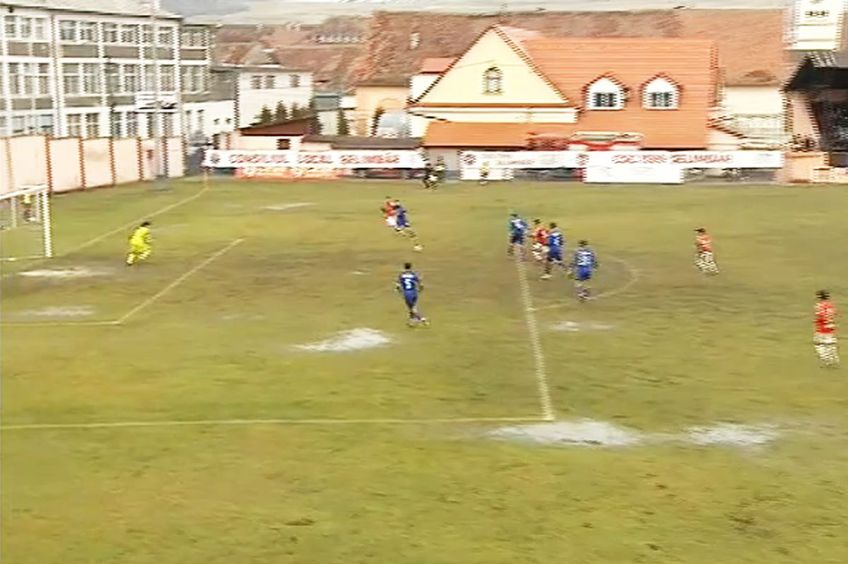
point(140, 244)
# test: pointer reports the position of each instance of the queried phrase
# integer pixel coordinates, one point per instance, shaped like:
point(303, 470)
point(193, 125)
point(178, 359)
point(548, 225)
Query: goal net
point(25, 224)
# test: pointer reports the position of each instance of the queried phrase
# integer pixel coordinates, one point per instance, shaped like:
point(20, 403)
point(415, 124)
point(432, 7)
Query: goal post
point(26, 227)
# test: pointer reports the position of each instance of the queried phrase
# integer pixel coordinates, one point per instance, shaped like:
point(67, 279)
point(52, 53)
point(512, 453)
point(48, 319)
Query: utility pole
point(156, 116)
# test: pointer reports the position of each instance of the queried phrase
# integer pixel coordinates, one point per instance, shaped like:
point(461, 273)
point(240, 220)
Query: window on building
point(167, 125)
point(660, 94)
point(131, 124)
point(283, 144)
point(92, 125)
point(414, 40)
point(42, 79)
point(146, 35)
point(25, 28)
point(256, 82)
point(44, 124)
point(17, 80)
point(110, 33)
point(88, 32)
point(129, 78)
point(68, 30)
point(90, 78)
point(201, 120)
point(71, 78)
point(166, 36)
point(167, 78)
point(19, 126)
point(493, 81)
point(149, 82)
point(269, 82)
point(74, 125)
point(294, 81)
point(116, 124)
point(129, 34)
point(3, 131)
point(605, 94)
point(81, 78)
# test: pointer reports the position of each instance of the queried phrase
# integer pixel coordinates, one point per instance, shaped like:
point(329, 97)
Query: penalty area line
point(138, 308)
point(146, 303)
point(248, 422)
point(542, 385)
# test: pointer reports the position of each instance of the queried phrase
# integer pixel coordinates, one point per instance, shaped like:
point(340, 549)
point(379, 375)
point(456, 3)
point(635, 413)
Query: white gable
point(464, 82)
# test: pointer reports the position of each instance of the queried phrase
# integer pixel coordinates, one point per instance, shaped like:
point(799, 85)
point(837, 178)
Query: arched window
point(660, 94)
point(493, 81)
point(605, 94)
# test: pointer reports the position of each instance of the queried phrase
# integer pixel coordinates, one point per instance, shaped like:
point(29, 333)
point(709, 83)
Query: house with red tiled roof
point(513, 85)
point(750, 43)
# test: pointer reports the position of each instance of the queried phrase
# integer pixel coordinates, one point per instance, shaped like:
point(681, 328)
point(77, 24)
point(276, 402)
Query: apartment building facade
point(79, 68)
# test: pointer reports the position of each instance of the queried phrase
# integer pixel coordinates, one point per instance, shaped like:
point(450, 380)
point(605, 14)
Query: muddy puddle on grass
point(348, 341)
point(69, 273)
point(590, 432)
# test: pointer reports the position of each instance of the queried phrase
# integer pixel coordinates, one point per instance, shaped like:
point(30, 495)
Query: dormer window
point(493, 81)
point(660, 94)
point(605, 94)
point(414, 40)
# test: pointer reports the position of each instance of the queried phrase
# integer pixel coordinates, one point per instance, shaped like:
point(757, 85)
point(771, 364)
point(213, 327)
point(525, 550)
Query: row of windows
point(23, 28)
point(89, 125)
point(33, 79)
point(124, 34)
point(35, 29)
point(269, 81)
point(605, 94)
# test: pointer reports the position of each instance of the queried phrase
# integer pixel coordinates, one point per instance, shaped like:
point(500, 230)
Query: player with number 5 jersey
point(410, 287)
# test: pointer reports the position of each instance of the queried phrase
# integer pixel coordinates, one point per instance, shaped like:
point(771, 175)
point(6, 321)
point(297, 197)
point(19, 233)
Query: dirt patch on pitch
point(286, 207)
point(730, 434)
point(584, 432)
point(348, 341)
point(58, 312)
point(66, 273)
point(581, 326)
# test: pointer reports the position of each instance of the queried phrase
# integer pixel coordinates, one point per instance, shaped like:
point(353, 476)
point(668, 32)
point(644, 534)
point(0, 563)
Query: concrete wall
point(71, 163)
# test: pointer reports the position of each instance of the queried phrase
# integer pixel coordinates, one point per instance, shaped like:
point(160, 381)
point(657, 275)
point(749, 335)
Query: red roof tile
point(435, 65)
point(750, 42)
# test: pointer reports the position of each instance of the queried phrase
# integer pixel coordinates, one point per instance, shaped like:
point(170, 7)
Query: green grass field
point(386, 455)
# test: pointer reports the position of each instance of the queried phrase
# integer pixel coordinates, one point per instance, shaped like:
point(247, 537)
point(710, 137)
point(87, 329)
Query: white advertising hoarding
point(633, 174)
point(314, 159)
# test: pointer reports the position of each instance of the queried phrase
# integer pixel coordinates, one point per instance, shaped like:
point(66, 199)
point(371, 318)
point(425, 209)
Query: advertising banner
point(314, 159)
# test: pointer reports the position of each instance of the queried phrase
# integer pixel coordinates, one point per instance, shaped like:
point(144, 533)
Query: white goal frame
point(41, 195)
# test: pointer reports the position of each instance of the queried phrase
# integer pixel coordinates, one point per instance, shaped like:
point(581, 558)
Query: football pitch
point(253, 394)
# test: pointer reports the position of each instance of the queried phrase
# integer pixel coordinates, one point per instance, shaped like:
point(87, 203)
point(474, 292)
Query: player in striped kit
point(825, 337)
point(704, 256)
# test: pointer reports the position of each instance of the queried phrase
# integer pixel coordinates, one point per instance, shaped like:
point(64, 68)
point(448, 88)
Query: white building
point(74, 68)
point(266, 86)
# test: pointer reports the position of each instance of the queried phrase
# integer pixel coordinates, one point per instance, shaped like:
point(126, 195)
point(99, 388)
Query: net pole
point(46, 224)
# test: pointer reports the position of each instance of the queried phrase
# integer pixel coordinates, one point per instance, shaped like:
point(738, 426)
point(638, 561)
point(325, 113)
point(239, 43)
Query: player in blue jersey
point(583, 266)
point(556, 249)
point(409, 285)
point(403, 226)
point(517, 233)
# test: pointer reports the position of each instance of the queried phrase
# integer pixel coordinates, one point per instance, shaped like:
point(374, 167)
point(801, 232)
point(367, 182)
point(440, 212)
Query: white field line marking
point(90, 242)
point(136, 221)
point(58, 323)
point(123, 319)
point(535, 341)
point(176, 282)
point(634, 278)
point(245, 422)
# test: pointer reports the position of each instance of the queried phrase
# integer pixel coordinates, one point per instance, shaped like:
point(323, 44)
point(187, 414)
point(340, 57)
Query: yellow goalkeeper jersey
point(141, 236)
